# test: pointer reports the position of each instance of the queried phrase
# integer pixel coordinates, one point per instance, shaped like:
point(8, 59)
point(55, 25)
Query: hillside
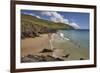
point(32, 26)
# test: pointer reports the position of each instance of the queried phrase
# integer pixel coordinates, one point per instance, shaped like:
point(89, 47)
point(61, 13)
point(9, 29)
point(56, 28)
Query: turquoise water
point(78, 37)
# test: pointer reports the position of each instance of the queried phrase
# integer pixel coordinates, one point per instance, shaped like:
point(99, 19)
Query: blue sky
point(75, 19)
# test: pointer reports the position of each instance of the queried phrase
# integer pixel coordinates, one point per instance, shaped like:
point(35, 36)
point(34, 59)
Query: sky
point(74, 19)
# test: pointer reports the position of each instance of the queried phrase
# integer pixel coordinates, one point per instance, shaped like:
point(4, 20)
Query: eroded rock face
point(32, 26)
point(37, 58)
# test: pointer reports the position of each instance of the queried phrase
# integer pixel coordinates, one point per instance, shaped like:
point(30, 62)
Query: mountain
point(32, 26)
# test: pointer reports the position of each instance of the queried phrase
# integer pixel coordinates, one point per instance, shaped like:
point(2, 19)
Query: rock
point(81, 58)
point(50, 58)
point(30, 56)
point(26, 59)
point(39, 58)
point(46, 50)
point(59, 59)
point(66, 55)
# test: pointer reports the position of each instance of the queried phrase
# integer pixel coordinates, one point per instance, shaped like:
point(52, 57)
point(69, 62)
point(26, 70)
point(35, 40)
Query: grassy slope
point(31, 25)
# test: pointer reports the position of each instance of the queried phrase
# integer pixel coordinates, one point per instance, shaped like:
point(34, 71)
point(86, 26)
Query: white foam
point(62, 35)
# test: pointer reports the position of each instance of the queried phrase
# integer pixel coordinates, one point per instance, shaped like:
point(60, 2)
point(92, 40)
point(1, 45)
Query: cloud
point(29, 13)
point(66, 21)
point(32, 14)
point(76, 26)
point(38, 16)
point(54, 16)
point(46, 13)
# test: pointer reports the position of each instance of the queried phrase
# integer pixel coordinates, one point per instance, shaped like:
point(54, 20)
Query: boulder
point(59, 59)
point(46, 50)
point(81, 58)
point(66, 56)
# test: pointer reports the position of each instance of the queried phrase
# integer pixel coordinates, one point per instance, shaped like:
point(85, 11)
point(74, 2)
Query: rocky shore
point(42, 58)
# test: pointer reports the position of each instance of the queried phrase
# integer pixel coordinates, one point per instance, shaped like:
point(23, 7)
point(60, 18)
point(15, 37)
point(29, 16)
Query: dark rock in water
point(66, 55)
point(81, 58)
point(46, 50)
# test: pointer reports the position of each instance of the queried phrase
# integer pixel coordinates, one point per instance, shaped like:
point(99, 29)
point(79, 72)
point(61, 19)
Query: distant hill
point(32, 26)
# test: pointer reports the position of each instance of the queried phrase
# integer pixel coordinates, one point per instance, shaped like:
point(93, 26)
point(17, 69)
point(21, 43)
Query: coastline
point(61, 47)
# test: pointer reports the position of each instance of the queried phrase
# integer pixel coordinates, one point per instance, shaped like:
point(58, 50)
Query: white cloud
point(32, 14)
point(29, 13)
point(38, 17)
point(66, 21)
point(56, 17)
point(76, 26)
point(46, 13)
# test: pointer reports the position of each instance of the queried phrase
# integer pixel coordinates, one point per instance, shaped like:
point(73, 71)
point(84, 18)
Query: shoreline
point(61, 47)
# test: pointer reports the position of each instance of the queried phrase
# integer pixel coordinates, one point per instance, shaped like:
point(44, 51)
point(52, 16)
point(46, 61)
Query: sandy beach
point(34, 45)
point(61, 47)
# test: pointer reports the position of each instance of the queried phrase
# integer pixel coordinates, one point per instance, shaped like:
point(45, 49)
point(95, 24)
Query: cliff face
point(32, 26)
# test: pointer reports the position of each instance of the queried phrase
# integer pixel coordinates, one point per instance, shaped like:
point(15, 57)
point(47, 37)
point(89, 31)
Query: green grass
point(31, 24)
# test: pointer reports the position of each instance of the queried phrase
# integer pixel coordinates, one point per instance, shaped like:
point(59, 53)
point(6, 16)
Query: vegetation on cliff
point(32, 26)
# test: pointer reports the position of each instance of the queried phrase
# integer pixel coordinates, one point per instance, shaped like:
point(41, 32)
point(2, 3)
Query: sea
point(78, 37)
point(72, 42)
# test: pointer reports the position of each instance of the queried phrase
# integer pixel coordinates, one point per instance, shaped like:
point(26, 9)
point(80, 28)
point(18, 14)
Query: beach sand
point(34, 45)
point(62, 47)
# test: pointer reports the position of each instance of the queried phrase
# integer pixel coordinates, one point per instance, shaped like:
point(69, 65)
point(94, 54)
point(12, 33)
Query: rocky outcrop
point(81, 58)
point(32, 26)
point(46, 50)
point(39, 58)
point(66, 56)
